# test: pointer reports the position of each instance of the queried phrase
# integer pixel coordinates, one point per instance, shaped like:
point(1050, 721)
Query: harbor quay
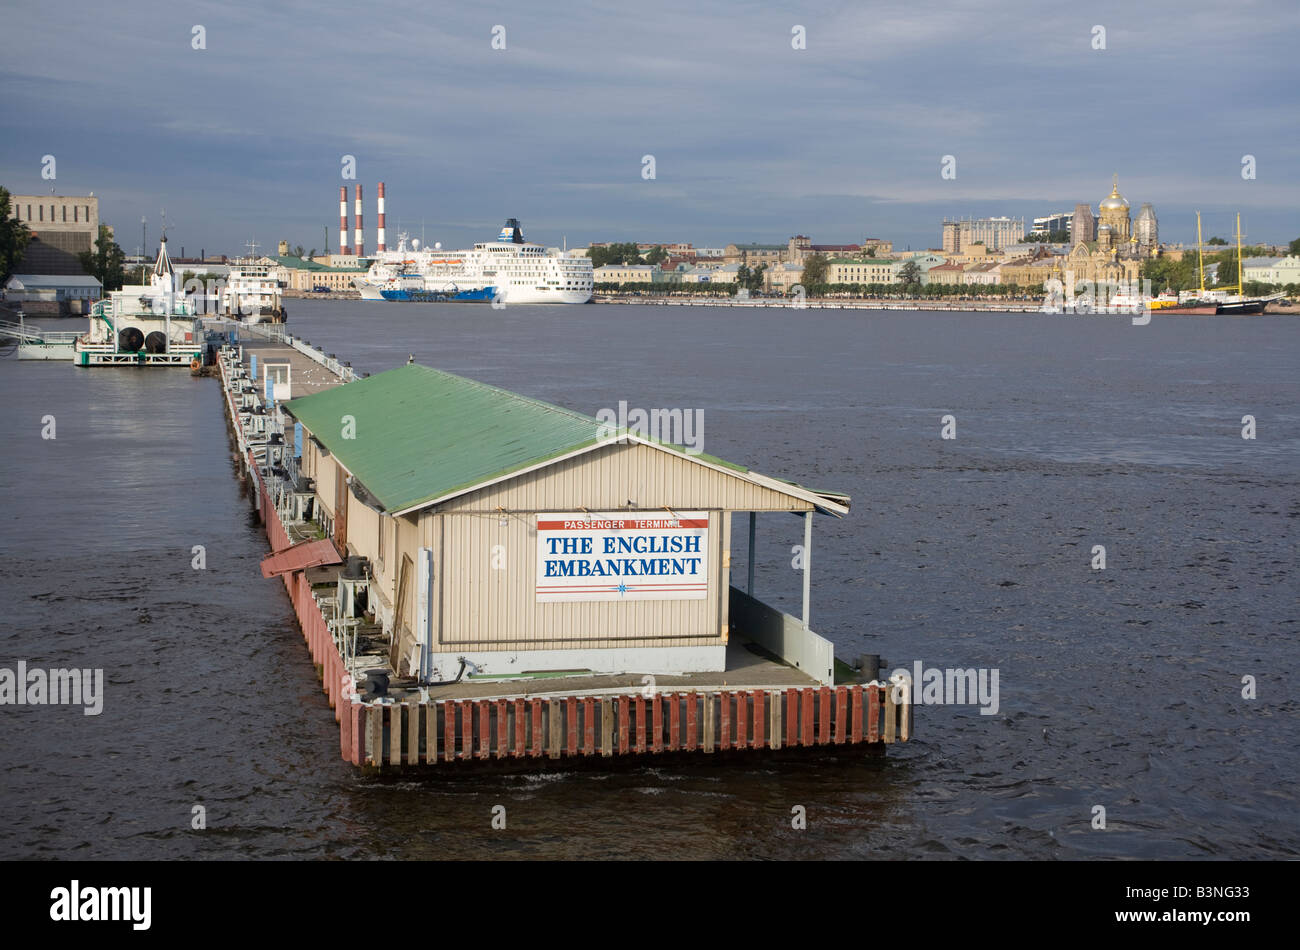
point(482, 576)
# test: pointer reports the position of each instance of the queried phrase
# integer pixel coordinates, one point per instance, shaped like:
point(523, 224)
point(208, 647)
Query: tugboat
point(143, 324)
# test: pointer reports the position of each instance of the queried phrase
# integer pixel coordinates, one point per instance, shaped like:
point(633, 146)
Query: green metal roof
point(421, 434)
point(302, 263)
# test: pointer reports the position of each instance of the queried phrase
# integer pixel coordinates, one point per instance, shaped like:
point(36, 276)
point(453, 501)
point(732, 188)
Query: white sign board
point(622, 556)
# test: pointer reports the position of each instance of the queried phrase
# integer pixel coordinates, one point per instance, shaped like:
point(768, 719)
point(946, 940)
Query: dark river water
point(1121, 688)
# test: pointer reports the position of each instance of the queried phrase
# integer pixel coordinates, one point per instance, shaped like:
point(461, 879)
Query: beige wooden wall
point(480, 606)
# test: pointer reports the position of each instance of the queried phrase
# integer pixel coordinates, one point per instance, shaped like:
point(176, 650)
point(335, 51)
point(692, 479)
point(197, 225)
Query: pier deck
point(307, 376)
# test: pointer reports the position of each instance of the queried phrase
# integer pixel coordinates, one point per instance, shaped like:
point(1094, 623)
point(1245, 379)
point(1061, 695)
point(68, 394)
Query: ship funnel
point(512, 232)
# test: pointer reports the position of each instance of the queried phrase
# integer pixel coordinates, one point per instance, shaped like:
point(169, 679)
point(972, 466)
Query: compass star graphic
point(622, 589)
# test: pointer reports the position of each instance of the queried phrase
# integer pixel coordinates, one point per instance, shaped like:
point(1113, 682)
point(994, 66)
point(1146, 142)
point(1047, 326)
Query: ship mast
point(1239, 254)
point(1200, 259)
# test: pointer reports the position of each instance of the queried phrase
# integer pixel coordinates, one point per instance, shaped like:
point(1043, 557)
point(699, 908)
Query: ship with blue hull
point(477, 295)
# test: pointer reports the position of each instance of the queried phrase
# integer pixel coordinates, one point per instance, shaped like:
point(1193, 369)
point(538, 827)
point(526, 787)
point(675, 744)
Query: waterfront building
point(922, 259)
point(780, 278)
point(698, 273)
point(1083, 226)
point(951, 240)
point(877, 247)
point(1032, 249)
point(1081, 263)
point(1271, 270)
point(627, 274)
point(985, 274)
point(74, 291)
point(995, 233)
point(752, 255)
point(1031, 273)
point(946, 275)
point(724, 274)
point(1057, 221)
point(975, 254)
point(302, 275)
point(800, 248)
point(502, 535)
point(861, 271)
point(69, 223)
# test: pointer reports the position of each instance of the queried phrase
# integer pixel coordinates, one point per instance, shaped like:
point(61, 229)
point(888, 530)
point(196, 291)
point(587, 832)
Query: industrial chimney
point(359, 236)
point(381, 246)
point(343, 219)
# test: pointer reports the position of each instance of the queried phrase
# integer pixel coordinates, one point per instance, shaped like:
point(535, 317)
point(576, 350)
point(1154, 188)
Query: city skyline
point(752, 138)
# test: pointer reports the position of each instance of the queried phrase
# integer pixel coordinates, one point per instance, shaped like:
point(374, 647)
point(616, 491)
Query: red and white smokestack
point(359, 244)
point(381, 246)
point(343, 219)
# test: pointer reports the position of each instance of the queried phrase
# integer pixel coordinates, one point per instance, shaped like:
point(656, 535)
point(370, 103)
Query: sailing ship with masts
point(1216, 300)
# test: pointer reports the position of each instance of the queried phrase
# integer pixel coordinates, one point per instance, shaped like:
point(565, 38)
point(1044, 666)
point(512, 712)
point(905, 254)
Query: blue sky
point(752, 140)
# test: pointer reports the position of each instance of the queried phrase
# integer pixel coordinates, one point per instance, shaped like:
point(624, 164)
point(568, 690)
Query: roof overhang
point(830, 503)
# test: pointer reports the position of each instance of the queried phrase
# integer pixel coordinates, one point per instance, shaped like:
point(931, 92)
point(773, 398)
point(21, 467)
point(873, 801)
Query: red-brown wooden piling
point(355, 739)
point(724, 720)
point(856, 692)
point(841, 714)
point(345, 733)
point(484, 728)
point(759, 718)
point(674, 722)
point(588, 726)
point(466, 729)
point(395, 734)
point(824, 717)
point(521, 730)
point(806, 717)
point(791, 718)
point(571, 721)
point(692, 721)
point(448, 731)
point(536, 747)
point(503, 726)
point(640, 724)
point(623, 730)
point(657, 713)
point(873, 713)
point(742, 720)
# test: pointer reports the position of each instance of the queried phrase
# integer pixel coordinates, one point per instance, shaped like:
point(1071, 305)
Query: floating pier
point(432, 531)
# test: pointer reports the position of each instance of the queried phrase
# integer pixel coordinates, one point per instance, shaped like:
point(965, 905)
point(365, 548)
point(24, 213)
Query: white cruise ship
point(509, 270)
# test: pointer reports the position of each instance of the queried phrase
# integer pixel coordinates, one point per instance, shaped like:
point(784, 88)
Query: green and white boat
point(152, 324)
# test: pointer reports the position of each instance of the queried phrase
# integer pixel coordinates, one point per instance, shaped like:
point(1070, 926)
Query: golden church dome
point(1115, 201)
